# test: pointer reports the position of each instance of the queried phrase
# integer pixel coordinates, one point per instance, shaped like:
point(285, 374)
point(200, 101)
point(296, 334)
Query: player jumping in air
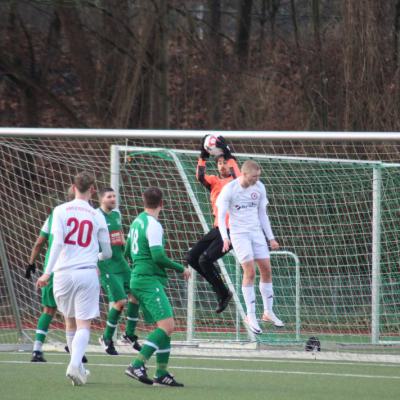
point(145, 246)
point(246, 201)
point(77, 231)
point(115, 277)
point(203, 255)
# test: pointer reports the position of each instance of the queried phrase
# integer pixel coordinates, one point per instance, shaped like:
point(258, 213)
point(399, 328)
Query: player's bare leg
point(249, 274)
point(267, 292)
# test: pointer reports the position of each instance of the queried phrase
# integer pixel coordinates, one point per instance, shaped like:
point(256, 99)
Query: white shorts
point(250, 246)
point(77, 293)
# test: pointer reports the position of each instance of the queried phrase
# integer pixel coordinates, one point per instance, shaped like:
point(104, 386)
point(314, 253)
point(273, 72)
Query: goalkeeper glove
point(221, 143)
point(30, 269)
point(203, 152)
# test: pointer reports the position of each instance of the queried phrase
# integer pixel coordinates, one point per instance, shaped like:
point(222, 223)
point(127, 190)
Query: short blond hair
point(250, 166)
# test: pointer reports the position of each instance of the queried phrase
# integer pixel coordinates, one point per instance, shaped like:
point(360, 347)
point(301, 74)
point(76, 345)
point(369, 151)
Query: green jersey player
point(115, 276)
point(145, 246)
point(48, 302)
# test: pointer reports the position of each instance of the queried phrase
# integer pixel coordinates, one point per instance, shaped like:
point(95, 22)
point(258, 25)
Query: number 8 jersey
point(78, 229)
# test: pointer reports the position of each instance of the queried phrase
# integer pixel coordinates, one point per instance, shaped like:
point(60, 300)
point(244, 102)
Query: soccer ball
point(210, 145)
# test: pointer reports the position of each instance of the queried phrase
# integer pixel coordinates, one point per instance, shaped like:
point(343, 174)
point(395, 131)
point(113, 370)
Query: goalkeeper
point(145, 247)
point(203, 255)
point(115, 274)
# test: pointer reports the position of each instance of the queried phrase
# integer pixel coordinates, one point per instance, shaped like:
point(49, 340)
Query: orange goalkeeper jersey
point(214, 183)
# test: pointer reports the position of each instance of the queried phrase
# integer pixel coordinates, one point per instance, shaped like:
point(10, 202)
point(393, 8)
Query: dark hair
point(216, 158)
point(83, 181)
point(152, 197)
point(105, 190)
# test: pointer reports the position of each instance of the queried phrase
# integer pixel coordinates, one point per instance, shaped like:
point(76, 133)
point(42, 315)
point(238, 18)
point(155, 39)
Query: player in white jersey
point(77, 231)
point(246, 201)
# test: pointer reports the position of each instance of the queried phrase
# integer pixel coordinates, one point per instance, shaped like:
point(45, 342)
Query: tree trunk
point(322, 100)
point(243, 32)
point(161, 100)
point(214, 65)
point(396, 35)
point(80, 50)
point(309, 106)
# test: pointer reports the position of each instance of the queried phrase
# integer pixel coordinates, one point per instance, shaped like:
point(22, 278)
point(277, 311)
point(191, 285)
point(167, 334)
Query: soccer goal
point(334, 204)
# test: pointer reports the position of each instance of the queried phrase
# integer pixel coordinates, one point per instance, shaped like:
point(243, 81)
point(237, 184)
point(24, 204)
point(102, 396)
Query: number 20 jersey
point(80, 228)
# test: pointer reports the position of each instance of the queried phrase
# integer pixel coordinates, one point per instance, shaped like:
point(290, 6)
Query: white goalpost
point(334, 205)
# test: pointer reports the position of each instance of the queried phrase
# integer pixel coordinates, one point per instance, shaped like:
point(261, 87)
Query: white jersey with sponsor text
point(243, 205)
point(80, 227)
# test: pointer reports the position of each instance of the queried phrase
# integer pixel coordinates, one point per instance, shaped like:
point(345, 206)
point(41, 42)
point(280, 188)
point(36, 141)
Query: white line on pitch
point(253, 371)
point(254, 360)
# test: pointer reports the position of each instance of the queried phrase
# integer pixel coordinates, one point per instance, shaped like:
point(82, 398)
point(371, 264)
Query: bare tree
point(215, 64)
point(243, 32)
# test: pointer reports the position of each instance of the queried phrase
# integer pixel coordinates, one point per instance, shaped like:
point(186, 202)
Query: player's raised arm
point(229, 157)
point(206, 180)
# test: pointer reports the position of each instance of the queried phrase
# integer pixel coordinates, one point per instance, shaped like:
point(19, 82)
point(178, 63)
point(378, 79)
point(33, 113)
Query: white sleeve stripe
point(154, 233)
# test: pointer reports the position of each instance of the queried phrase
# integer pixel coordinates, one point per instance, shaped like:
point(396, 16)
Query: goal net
point(333, 207)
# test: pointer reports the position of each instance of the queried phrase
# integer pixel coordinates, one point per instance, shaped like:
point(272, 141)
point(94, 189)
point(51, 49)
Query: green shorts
point(153, 302)
point(116, 285)
point(47, 294)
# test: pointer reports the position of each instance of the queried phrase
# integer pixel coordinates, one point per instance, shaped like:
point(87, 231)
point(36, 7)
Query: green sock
point(42, 327)
point(162, 359)
point(157, 339)
point(112, 323)
point(132, 313)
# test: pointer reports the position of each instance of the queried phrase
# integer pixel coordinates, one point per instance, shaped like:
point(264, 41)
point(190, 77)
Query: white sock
point(267, 294)
point(79, 344)
point(249, 296)
point(69, 336)
point(37, 345)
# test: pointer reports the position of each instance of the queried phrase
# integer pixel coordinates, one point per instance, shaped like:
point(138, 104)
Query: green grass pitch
point(205, 378)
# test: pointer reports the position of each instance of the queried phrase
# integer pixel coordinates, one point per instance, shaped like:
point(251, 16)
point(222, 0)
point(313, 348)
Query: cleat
point(84, 358)
point(78, 376)
point(223, 303)
point(271, 317)
point(132, 340)
point(140, 374)
point(37, 356)
point(108, 346)
point(167, 380)
point(252, 323)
